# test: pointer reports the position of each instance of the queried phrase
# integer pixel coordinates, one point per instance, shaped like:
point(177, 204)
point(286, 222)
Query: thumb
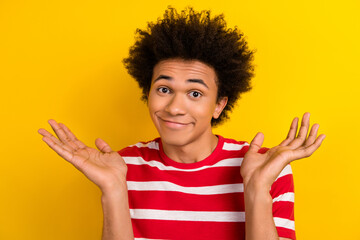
point(102, 146)
point(256, 143)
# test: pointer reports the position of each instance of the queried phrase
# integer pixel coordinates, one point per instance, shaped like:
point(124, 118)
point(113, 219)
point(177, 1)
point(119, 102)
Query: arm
point(258, 211)
point(259, 217)
point(259, 171)
point(117, 221)
point(103, 167)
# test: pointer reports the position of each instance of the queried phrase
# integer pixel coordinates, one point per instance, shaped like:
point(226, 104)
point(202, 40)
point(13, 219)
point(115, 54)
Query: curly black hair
point(192, 35)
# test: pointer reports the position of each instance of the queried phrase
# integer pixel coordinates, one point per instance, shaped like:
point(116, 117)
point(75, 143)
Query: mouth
point(173, 124)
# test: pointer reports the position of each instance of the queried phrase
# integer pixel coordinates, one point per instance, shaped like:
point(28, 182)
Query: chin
point(176, 139)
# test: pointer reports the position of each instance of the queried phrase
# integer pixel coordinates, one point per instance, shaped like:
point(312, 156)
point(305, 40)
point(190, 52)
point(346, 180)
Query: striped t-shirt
point(202, 200)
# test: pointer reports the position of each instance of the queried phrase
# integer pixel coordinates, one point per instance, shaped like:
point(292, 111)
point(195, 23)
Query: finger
point(308, 151)
point(256, 143)
point(60, 133)
point(71, 136)
point(45, 133)
point(312, 136)
point(58, 149)
point(292, 132)
point(300, 139)
point(58, 130)
point(102, 145)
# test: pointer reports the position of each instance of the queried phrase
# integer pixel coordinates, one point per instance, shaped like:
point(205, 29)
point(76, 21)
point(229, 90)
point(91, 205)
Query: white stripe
point(234, 146)
point(217, 216)
point(286, 197)
point(151, 145)
point(168, 186)
point(285, 223)
point(230, 162)
point(287, 170)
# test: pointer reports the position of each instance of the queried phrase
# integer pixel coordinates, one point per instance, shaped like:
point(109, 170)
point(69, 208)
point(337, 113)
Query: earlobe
point(220, 105)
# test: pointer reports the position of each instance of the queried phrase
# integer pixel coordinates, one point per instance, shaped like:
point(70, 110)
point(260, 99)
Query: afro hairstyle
point(191, 35)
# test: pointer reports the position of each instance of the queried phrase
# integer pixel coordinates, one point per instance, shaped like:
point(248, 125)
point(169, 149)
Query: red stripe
point(162, 229)
point(146, 153)
point(283, 210)
point(283, 185)
point(188, 202)
point(286, 233)
point(205, 177)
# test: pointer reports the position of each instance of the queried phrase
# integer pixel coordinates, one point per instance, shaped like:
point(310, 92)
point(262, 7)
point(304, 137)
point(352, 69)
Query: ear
point(220, 105)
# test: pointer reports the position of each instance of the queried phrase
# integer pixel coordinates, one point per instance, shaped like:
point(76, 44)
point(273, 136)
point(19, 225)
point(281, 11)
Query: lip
point(173, 124)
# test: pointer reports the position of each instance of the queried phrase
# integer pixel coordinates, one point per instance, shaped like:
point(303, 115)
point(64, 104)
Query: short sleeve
point(282, 193)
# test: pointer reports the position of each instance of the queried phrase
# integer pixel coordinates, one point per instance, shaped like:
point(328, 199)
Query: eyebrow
point(191, 80)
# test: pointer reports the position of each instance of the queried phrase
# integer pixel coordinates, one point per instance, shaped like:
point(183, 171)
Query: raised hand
point(104, 167)
point(260, 170)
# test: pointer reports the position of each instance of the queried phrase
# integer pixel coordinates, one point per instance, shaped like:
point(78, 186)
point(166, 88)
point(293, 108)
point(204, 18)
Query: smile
point(173, 124)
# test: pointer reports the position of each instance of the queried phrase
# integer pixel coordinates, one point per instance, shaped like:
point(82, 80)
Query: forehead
point(186, 69)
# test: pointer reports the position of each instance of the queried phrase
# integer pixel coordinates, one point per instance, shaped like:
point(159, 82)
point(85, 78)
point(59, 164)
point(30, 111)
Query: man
point(190, 183)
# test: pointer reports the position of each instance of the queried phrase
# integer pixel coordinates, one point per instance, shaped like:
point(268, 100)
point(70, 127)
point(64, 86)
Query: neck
point(192, 152)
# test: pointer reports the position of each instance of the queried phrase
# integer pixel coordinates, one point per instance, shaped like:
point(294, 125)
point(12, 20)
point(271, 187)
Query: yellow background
point(62, 60)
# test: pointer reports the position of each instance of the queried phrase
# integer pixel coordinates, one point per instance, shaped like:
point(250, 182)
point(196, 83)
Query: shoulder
point(236, 145)
point(140, 148)
point(229, 144)
point(284, 182)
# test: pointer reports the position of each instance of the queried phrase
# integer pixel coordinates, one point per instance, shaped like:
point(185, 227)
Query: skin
point(182, 101)
point(259, 171)
point(103, 167)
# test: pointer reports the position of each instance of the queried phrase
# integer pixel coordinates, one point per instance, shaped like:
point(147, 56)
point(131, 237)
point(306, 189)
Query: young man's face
point(182, 100)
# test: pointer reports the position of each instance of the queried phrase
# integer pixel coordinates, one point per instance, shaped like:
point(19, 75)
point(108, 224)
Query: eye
point(163, 90)
point(195, 94)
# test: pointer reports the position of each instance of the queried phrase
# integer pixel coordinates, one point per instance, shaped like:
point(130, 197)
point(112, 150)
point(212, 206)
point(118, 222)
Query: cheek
point(155, 103)
point(204, 111)
point(151, 106)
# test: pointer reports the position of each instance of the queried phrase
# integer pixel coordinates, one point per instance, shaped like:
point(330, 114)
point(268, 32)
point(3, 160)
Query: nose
point(176, 105)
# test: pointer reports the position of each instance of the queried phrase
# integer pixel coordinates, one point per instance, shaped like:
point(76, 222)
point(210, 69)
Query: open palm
point(261, 169)
point(104, 167)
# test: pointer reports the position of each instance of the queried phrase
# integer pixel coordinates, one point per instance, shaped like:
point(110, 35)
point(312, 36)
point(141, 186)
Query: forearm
point(259, 219)
point(117, 220)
